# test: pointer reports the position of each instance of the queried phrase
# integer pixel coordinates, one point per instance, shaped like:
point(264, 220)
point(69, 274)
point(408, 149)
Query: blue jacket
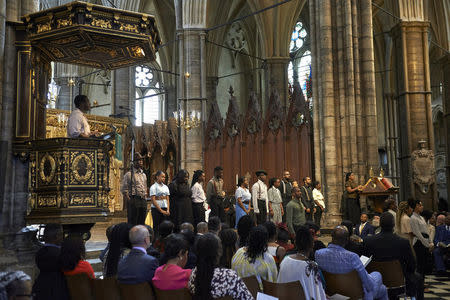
point(136, 267)
point(442, 235)
point(368, 229)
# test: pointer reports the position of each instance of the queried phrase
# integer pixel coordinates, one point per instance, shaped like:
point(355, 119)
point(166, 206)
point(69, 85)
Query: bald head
point(202, 227)
point(139, 236)
point(339, 236)
point(187, 226)
point(440, 220)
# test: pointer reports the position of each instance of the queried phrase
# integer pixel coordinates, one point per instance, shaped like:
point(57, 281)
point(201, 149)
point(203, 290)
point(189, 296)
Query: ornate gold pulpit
point(69, 182)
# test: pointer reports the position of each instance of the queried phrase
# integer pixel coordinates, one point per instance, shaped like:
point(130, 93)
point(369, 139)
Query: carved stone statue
point(423, 171)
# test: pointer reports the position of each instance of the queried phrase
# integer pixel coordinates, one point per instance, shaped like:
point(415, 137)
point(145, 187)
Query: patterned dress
point(225, 282)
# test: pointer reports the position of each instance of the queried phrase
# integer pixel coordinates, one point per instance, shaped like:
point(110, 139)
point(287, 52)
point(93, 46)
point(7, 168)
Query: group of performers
point(183, 202)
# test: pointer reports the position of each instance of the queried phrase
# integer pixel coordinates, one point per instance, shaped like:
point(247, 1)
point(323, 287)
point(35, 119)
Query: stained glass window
point(299, 66)
point(149, 100)
point(298, 37)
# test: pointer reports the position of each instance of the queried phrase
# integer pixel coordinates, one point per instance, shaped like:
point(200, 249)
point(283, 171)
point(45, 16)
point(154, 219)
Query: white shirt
point(244, 194)
point(159, 190)
point(317, 196)
point(198, 194)
point(77, 124)
point(259, 192)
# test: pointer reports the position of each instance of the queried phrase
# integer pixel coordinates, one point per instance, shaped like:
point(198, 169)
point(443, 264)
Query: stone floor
point(439, 287)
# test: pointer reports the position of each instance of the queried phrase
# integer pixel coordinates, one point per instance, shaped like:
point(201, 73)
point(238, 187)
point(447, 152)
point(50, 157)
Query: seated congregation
point(214, 261)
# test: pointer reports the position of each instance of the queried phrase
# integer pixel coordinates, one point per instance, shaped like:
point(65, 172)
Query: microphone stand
point(132, 179)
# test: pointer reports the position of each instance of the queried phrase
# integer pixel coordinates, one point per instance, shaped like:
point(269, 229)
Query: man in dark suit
point(286, 190)
point(364, 228)
point(308, 199)
point(387, 246)
point(441, 242)
point(137, 266)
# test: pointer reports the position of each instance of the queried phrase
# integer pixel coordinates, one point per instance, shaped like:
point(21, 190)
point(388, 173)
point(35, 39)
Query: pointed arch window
point(299, 67)
point(149, 97)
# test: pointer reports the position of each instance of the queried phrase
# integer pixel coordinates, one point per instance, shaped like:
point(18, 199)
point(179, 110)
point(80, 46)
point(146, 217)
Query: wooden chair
point(141, 291)
point(80, 287)
point(181, 294)
point(348, 284)
point(252, 285)
point(284, 291)
point(106, 289)
point(392, 274)
point(391, 271)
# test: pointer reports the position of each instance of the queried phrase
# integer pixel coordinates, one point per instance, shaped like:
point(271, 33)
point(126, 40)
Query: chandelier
point(188, 121)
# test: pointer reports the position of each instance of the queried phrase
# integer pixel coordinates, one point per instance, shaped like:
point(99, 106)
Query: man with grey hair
point(137, 266)
point(202, 228)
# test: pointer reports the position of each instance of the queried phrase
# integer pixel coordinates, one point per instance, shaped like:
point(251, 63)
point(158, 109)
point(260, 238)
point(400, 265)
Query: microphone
point(122, 115)
point(124, 108)
point(113, 127)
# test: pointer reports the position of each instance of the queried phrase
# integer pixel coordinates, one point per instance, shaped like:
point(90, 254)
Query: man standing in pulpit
point(77, 124)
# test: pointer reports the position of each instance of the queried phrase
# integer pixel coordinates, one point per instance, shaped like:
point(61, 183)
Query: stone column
point(191, 24)
point(445, 61)
point(410, 38)
point(276, 73)
point(124, 92)
point(65, 77)
point(16, 248)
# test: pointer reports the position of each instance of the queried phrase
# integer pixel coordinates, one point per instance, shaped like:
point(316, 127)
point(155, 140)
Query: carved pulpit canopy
point(92, 35)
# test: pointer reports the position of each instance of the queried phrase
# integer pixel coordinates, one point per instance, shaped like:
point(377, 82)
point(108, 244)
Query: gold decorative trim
point(129, 27)
point(44, 27)
point(89, 168)
point(64, 22)
point(47, 178)
point(101, 23)
point(46, 201)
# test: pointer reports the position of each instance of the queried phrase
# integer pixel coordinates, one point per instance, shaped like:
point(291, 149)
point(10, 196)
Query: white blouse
point(159, 190)
point(244, 194)
point(317, 196)
point(198, 194)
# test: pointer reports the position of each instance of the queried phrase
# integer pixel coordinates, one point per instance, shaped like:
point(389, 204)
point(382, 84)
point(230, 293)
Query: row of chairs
point(81, 287)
